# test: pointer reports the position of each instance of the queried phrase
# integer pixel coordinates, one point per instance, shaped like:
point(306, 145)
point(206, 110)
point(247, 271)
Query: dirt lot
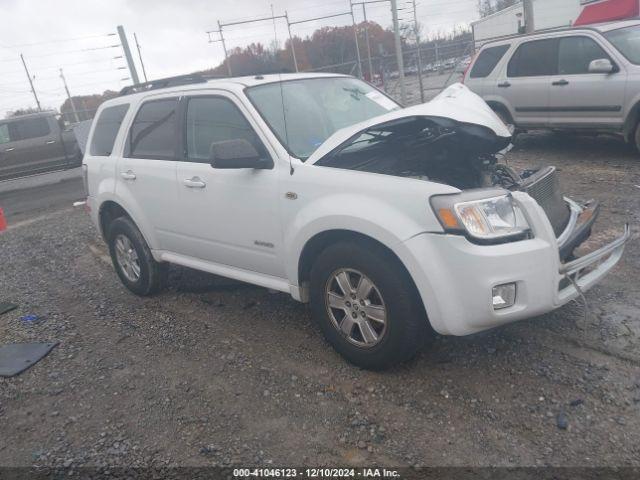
point(214, 372)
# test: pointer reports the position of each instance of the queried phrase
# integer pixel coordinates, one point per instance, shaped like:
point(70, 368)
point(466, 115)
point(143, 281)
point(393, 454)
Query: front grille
point(544, 188)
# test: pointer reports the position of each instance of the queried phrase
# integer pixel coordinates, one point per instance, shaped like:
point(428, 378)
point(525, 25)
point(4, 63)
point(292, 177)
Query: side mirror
point(601, 65)
point(237, 153)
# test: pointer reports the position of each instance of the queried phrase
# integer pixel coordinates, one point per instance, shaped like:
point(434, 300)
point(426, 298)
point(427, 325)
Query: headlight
point(492, 218)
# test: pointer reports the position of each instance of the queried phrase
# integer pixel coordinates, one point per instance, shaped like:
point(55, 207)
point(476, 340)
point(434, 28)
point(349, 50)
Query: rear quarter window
point(487, 61)
point(106, 130)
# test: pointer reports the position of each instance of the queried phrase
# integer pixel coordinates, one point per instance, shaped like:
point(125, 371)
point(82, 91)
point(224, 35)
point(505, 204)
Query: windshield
point(627, 40)
point(315, 108)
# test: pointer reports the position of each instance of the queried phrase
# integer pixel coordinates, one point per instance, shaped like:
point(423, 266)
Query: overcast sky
point(74, 35)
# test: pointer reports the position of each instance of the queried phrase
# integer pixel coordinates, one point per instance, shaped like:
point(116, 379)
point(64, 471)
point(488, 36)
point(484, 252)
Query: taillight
point(466, 70)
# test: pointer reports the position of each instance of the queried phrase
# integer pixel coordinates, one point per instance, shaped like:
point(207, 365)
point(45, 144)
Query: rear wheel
point(366, 305)
point(636, 138)
point(132, 258)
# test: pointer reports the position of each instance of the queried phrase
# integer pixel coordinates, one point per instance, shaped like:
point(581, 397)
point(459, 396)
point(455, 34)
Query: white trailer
point(510, 21)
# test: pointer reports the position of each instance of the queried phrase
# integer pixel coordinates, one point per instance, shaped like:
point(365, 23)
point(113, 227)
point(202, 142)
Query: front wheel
point(132, 258)
point(366, 305)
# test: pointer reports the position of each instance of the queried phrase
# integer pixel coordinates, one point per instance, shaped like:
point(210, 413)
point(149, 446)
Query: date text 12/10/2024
point(315, 473)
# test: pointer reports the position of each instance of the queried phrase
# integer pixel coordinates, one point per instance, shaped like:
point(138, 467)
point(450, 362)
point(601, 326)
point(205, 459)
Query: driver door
point(226, 216)
point(579, 97)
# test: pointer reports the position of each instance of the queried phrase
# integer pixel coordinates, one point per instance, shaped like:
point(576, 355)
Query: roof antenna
point(284, 112)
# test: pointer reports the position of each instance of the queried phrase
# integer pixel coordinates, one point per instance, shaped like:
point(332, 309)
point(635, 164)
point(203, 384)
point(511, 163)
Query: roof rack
point(166, 82)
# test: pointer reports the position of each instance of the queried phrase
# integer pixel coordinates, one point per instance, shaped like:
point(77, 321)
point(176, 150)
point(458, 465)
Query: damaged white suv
point(387, 220)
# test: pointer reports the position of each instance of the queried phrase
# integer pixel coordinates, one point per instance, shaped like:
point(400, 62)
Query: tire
point(636, 138)
point(406, 326)
point(125, 240)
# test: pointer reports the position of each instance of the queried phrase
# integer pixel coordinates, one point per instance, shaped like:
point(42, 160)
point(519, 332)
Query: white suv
point(387, 220)
point(580, 79)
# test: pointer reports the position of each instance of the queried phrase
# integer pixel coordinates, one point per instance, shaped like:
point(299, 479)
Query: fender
point(498, 103)
point(318, 218)
point(384, 207)
point(136, 215)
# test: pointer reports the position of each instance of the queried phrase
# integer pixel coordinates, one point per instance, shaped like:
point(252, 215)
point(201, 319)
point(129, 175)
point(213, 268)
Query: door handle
point(10, 149)
point(128, 175)
point(560, 83)
point(49, 142)
point(504, 85)
point(194, 182)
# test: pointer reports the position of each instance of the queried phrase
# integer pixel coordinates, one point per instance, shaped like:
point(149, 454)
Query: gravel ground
point(215, 372)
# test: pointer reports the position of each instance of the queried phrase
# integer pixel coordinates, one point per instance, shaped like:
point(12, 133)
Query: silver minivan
point(579, 79)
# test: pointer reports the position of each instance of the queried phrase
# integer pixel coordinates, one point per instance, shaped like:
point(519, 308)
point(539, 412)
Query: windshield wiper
point(355, 92)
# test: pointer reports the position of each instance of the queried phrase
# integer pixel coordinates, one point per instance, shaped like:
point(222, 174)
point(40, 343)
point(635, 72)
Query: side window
point(4, 133)
point(215, 119)
point(32, 128)
point(487, 61)
point(576, 53)
point(534, 59)
point(153, 133)
point(106, 130)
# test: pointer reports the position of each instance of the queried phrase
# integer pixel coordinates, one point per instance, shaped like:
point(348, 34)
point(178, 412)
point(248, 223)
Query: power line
point(62, 40)
point(75, 51)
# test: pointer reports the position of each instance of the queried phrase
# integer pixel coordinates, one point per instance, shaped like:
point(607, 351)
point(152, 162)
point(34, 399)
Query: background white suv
point(387, 220)
point(582, 79)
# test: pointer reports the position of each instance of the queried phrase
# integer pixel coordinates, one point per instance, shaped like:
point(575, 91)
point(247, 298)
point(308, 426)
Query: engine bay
point(435, 149)
point(439, 149)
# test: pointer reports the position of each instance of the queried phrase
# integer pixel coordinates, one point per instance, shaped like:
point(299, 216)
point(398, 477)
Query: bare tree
point(488, 7)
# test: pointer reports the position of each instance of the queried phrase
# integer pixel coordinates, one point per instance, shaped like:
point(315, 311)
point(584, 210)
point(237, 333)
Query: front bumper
point(455, 277)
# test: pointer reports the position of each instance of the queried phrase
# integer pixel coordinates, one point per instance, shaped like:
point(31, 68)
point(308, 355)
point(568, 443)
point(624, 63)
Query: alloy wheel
point(355, 307)
point(127, 258)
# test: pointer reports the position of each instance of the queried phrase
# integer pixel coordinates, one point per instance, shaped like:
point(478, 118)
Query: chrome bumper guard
point(602, 260)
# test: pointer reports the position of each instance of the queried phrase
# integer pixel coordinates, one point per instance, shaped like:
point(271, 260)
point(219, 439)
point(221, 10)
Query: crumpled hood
point(456, 103)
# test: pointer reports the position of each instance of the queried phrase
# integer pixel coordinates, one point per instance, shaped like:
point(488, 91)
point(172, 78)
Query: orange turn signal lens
point(448, 218)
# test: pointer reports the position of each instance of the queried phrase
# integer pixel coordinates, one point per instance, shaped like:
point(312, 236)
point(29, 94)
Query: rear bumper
point(455, 277)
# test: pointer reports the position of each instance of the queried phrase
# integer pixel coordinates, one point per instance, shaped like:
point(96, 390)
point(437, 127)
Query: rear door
point(146, 174)
point(479, 76)
point(525, 81)
point(580, 98)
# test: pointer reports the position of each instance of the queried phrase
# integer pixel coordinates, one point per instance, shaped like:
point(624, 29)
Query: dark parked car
point(36, 143)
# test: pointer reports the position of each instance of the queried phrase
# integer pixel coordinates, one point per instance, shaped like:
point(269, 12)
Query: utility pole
point(399, 60)
point(33, 90)
point(128, 56)
point(355, 34)
point(417, 31)
point(529, 23)
point(144, 72)
point(224, 48)
point(66, 89)
point(366, 39)
point(293, 49)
